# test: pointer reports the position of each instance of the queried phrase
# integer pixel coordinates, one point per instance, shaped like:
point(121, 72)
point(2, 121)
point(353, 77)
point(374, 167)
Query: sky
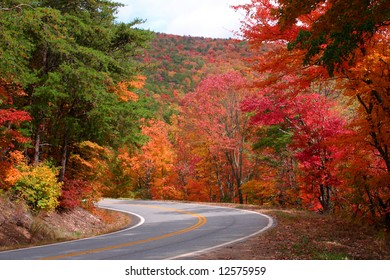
point(204, 18)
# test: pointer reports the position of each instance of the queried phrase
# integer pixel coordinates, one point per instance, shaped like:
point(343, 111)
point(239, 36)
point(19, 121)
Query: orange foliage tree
point(151, 166)
point(88, 175)
point(368, 82)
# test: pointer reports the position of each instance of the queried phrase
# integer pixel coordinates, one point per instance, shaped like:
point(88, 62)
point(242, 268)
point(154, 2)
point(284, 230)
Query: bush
point(73, 193)
point(38, 186)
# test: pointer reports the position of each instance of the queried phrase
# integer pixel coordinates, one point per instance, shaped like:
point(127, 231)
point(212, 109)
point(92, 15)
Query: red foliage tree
point(314, 125)
point(73, 193)
point(10, 121)
point(214, 112)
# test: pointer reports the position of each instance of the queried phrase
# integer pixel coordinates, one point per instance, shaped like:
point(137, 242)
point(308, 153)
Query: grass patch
point(324, 237)
point(77, 234)
point(40, 231)
point(331, 256)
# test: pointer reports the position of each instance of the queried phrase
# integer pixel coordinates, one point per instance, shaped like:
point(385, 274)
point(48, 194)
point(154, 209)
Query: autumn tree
point(338, 29)
point(278, 183)
point(328, 32)
point(151, 165)
point(310, 125)
point(189, 149)
point(347, 39)
point(338, 35)
point(214, 110)
point(368, 82)
point(11, 136)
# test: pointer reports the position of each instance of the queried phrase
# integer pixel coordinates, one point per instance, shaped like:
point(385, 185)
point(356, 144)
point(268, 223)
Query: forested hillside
point(180, 63)
point(174, 65)
point(288, 117)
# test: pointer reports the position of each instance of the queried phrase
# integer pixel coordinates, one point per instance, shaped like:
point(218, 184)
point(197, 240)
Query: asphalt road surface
point(159, 230)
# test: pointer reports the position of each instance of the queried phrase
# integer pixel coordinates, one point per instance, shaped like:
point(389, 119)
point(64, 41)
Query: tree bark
point(37, 148)
point(64, 157)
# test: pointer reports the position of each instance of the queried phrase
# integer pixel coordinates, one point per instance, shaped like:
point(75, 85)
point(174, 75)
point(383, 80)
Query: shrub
point(38, 186)
point(73, 193)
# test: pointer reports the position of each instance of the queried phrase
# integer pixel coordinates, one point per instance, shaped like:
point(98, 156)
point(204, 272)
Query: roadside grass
point(307, 235)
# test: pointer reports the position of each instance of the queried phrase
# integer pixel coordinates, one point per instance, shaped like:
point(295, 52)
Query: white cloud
point(207, 18)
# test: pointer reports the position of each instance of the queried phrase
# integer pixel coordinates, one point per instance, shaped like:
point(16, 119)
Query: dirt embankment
point(20, 228)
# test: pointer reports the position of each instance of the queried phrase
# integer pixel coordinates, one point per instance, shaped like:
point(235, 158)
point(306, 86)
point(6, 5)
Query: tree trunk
point(37, 148)
point(64, 157)
point(325, 198)
point(240, 196)
point(236, 167)
point(218, 175)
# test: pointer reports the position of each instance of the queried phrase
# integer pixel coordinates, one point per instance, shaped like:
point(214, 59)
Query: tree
point(12, 138)
point(348, 40)
point(279, 167)
point(214, 110)
point(313, 125)
point(71, 56)
point(329, 32)
point(369, 83)
point(365, 192)
point(153, 163)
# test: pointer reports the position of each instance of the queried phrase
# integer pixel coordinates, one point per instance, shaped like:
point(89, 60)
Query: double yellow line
point(201, 221)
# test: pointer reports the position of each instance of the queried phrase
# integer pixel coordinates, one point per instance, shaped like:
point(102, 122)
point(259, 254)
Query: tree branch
point(18, 7)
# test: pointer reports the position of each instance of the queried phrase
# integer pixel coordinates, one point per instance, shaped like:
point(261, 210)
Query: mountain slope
point(180, 62)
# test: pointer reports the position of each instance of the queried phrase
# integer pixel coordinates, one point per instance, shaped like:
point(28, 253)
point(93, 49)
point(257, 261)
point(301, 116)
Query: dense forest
point(294, 115)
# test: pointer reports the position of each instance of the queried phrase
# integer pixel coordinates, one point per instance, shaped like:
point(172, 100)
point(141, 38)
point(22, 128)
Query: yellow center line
point(201, 221)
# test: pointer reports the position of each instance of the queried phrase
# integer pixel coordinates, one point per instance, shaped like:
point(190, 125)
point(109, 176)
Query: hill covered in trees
point(175, 65)
point(181, 62)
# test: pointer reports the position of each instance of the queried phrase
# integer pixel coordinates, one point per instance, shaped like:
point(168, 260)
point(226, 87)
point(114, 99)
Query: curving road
point(160, 230)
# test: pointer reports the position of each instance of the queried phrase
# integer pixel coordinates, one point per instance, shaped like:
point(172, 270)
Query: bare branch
point(18, 7)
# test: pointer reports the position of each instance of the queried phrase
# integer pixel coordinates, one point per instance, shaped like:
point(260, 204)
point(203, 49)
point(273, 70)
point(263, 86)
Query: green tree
point(67, 55)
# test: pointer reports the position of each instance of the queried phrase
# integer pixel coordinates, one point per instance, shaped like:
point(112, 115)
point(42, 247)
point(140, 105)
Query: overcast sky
point(206, 18)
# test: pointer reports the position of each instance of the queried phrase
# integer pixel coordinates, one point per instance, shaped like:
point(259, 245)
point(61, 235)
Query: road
point(159, 230)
